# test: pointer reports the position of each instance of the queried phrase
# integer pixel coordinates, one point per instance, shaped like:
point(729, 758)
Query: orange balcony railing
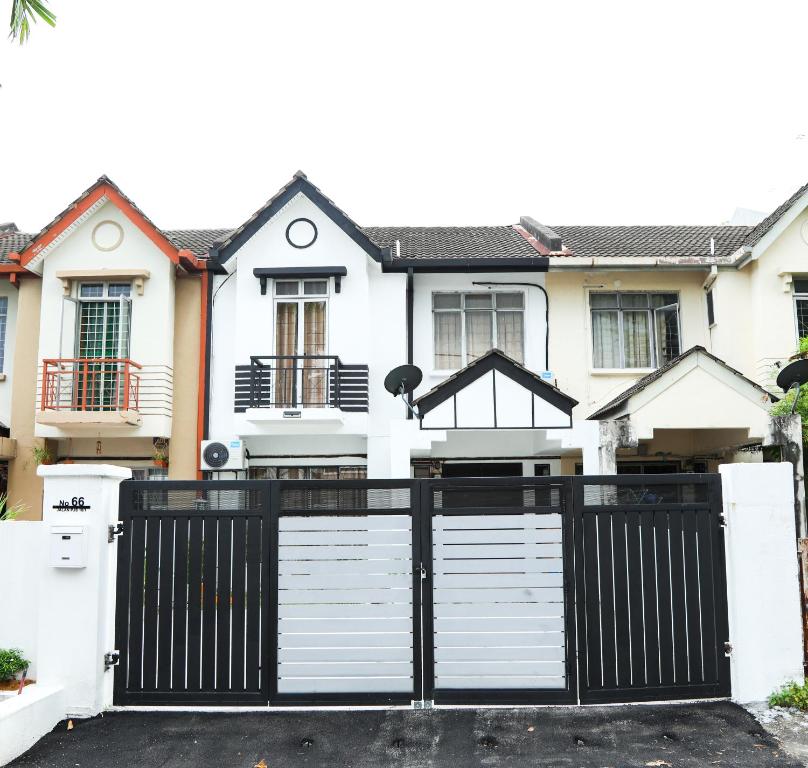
point(90, 384)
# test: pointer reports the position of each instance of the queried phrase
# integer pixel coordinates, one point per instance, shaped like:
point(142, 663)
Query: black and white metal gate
point(512, 590)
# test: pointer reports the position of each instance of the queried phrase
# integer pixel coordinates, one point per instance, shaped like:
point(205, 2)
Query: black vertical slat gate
point(192, 588)
point(651, 588)
point(486, 590)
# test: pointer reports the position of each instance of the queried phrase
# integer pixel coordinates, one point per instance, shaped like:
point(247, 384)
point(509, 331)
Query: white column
point(765, 623)
point(77, 605)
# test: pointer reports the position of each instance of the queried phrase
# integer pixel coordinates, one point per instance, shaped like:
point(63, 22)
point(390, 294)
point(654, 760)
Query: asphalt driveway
point(710, 734)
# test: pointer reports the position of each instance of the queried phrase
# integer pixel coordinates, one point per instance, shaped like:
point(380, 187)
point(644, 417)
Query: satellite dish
point(403, 380)
point(793, 373)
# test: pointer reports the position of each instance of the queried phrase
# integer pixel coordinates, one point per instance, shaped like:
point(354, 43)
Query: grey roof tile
point(764, 226)
point(669, 241)
point(453, 242)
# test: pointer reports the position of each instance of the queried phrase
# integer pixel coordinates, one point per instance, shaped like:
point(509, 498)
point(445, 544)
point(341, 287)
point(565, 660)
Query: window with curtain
point(301, 375)
point(634, 330)
point(467, 325)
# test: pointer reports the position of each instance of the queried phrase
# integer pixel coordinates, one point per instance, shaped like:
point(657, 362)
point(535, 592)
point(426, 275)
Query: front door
point(301, 373)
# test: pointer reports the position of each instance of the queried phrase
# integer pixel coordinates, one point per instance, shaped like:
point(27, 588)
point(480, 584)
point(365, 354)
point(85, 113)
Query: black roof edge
point(299, 183)
point(494, 359)
point(493, 264)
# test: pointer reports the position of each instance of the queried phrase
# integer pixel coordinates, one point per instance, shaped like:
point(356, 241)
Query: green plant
point(23, 12)
point(790, 695)
point(42, 455)
point(12, 662)
point(783, 406)
point(160, 457)
point(11, 512)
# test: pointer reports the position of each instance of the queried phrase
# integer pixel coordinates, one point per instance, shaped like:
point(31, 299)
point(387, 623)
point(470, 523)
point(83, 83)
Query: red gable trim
point(82, 205)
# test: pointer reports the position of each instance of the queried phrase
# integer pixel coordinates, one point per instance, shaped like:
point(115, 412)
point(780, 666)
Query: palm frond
point(26, 12)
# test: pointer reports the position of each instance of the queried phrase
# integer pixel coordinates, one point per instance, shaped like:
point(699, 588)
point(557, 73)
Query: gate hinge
point(722, 519)
point(116, 529)
point(728, 648)
point(111, 659)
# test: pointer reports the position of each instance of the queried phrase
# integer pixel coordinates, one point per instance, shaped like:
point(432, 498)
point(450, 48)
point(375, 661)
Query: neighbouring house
point(108, 311)
point(261, 352)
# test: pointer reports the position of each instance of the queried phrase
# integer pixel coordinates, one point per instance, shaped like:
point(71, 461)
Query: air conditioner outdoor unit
point(222, 455)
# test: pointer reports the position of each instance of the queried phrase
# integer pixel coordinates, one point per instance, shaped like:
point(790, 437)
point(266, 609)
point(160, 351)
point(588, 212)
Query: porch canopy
point(695, 391)
point(495, 392)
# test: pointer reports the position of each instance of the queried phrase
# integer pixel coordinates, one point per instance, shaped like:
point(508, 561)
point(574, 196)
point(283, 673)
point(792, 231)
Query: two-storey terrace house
point(309, 311)
point(108, 312)
point(544, 350)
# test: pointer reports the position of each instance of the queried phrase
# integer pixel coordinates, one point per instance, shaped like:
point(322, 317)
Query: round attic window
point(107, 235)
point(301, 233)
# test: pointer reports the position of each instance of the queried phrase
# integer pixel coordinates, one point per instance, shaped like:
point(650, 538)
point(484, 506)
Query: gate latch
point(111, 659)
point(728, 648)
point(114, 530)
point(422, 571)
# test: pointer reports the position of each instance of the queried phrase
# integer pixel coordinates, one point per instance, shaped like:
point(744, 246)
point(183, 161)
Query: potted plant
point(160, 458)
point(13, 666)
point(42, 455)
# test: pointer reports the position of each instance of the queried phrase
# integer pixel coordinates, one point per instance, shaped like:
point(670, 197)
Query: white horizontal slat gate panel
point(498, 602)
point(345, 605)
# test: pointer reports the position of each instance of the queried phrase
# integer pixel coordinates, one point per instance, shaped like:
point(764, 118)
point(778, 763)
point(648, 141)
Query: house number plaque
point(75, 504)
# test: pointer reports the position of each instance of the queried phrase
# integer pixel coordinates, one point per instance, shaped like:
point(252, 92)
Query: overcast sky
point(410, 112)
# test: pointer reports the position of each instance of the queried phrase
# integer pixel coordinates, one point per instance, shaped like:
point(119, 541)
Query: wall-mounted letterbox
point(68, 546)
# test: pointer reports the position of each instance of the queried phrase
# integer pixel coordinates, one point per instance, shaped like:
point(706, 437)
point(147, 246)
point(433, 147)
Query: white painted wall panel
point(513, 403)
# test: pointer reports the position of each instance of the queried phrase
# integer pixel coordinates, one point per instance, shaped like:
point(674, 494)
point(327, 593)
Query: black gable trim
point(498, 361)
point(299, 184)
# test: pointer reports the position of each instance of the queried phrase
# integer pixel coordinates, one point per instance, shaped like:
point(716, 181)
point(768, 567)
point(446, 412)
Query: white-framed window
point(104, 320)
point(634, 330)
point(3, 322)
point(467, 325)
point(301, 342)
point(801, 307)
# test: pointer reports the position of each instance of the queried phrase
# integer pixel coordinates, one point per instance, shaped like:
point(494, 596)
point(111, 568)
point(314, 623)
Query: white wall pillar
point(77, 605)
point(765, 624)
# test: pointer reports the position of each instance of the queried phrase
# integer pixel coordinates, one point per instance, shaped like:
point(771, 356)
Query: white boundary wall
point(69, 611)
point(765, 625)
point(21, 552)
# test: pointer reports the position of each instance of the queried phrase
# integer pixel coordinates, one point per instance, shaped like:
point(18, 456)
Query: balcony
point(90, 392)
point(293, 384)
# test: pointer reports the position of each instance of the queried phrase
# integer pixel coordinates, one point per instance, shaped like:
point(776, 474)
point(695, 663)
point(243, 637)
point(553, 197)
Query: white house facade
point(309, 312)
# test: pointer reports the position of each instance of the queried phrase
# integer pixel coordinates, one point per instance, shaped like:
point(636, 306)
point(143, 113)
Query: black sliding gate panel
point(651, 588)
point(499, 610)
point(486, 590)
point(192, 591)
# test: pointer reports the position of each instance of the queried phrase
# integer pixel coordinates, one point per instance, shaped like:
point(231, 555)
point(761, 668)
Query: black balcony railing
point(301, 381)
